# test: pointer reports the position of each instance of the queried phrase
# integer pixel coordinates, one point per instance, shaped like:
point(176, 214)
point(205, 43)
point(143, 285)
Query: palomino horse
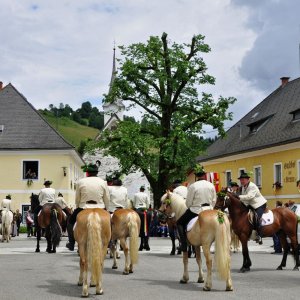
point(51, 218)
point(211, 226)
point(285, 224)
point(7, 218)
point(125, 223)
point(92, 232)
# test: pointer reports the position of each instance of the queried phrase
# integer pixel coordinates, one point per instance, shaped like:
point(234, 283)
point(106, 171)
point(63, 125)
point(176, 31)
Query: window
point(227, 177)
point(241, 171)
point(296, 115)
point(278, 172)
point(255, 126)
point(257, 175)
point(30, 169)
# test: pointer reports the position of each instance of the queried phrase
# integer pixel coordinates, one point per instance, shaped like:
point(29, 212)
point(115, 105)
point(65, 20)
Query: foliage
point(220, 217)
point(162, 78)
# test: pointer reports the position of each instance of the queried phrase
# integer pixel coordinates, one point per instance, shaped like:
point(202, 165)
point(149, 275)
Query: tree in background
point(162, 78)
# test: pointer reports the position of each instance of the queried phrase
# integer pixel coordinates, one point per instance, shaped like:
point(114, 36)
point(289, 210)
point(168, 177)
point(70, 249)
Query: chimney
point(1, 85)
point(284, 81)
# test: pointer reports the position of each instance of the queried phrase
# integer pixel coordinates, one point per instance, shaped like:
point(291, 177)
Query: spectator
point(29, 223)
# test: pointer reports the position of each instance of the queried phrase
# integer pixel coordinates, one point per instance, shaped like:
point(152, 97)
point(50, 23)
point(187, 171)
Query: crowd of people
point(94, 192)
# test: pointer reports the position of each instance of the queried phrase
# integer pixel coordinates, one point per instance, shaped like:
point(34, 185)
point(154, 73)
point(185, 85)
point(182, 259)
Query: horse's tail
point(94, 245)
point(222, 248)
point(134, 235)
point(55, 228)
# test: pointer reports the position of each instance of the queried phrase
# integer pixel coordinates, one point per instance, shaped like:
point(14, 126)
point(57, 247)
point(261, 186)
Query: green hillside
point(72, 131)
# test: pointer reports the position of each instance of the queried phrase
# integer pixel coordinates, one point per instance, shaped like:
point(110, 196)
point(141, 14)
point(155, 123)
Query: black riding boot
point(142, 244)
point(70, 245)
point(146, 243)
point(183, 239)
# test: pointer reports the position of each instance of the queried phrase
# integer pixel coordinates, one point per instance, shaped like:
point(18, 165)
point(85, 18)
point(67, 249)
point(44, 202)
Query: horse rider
point(91, 192)
point(6, 203)
point(234, 187)
point(46, 195)
point(62, 203)
point(201, 196)
point(179, 188)
point(141, 203)
point(251, 196)
point(118, 195)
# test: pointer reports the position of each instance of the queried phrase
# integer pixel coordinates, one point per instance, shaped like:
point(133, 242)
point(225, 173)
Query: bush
point(23, 229)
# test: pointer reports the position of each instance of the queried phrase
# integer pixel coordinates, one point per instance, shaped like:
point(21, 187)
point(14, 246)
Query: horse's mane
point(177, 203)
point(238, 202)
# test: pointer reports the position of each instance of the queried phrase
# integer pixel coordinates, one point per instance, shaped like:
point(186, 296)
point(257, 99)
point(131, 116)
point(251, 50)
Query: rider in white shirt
point(6, 203)
point(118, 195)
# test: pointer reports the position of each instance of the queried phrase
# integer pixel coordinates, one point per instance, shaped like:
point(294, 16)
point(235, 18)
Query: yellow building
point(266, 143)
point(32, 151)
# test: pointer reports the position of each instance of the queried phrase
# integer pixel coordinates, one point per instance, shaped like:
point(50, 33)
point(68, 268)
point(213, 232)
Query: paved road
point(30, 276)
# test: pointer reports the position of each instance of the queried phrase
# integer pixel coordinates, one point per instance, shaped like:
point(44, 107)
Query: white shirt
point(251, 195)
point(61, 201)
point(141, 200)
point(118, 197)
point(5, 204)
point(47, 195)
point(200, 192)
point(92, 189)
point(181, 191)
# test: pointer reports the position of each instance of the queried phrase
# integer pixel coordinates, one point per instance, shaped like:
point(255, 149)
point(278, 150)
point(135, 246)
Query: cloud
point(61, 51)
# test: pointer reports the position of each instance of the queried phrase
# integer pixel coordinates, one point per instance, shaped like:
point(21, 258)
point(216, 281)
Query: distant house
point(32, 151)
point(265, 142)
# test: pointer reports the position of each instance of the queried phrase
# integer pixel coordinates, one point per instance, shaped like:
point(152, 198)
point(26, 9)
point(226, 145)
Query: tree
point(163, 79)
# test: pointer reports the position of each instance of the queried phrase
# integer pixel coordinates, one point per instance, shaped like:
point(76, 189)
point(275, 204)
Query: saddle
point(266, 219)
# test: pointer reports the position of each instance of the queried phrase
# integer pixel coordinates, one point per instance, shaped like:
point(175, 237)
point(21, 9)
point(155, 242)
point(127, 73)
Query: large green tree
point(163, 79)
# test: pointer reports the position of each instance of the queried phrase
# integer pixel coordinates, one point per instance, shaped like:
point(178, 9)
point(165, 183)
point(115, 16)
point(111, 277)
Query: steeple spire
point(113, 75)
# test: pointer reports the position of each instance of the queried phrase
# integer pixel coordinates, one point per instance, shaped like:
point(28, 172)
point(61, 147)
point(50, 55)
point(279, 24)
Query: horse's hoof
point(130, 271)
point(99, 293)
point(229, 289)
point(79, 283)
point(125, 273)
point(244, 269)
point(183, 281)
point(85, 296)
point(172, 253)
point(296, 269)
point(206, 288)
point(279, 268)
point(37, 250)
point(92, 284)
point(114, 267)
point(200, 280)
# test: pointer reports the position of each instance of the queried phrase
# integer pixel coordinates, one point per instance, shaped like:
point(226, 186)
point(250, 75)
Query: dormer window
point(296, 115)
point(256, 126)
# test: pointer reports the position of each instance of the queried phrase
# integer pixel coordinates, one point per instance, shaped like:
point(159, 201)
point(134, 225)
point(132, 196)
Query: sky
point(61, 51)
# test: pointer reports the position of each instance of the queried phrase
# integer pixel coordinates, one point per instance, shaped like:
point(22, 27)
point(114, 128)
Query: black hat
point(199, 170)
point(48, 182)
point(60, 195)
point(233, 183)
point(90, 168)
point(142, 188)
point(244, 175)
point(8, 197)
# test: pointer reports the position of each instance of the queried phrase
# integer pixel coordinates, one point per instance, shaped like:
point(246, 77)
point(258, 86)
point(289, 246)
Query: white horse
point(7, 218)
point(211, 226)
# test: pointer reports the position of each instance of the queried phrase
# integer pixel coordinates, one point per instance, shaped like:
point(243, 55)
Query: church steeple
point(113, 74)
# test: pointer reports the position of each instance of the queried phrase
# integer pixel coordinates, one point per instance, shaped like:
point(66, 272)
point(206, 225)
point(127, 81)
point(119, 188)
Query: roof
point(24, 127)
point(274, 113)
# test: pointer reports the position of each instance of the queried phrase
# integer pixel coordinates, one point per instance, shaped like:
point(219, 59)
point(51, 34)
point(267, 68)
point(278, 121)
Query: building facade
point(266, 143)
point(31, 151)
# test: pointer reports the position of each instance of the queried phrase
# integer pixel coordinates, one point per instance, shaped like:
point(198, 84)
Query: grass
point(72, 131)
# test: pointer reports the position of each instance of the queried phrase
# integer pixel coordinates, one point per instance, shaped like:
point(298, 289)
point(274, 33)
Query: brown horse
point(285, 224)
point(51, 218)
point(92, 232)
point(125, 223)
point(211, 226)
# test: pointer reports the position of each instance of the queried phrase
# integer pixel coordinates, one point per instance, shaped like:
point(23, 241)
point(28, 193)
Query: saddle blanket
point(191, 224)
point(267, 218)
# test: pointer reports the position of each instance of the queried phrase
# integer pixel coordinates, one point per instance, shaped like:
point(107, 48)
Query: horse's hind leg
point(198, 259)
point(113, 250)
point(128, 268)
point(82, 281)
point(285, 247)
point(208, 282)
point(295, 249)
point(38, 237)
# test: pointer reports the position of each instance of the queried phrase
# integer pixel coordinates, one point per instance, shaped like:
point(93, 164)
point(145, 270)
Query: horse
point(92, 232)
point(7, 218)
point(51, 218)
point(125, 223)
point(211, 226)
point(285, 224)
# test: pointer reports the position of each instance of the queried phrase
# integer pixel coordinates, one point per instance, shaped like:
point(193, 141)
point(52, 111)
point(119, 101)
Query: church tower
point(113, 112)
